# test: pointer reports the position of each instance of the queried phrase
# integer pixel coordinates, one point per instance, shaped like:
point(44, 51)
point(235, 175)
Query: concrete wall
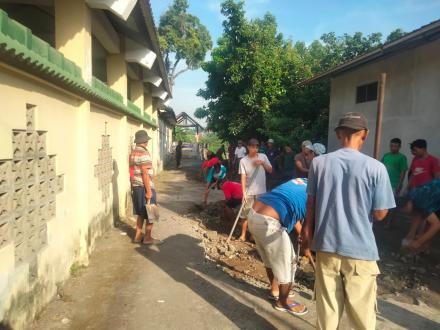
point(64, 176)
point(412, 99)
point(93, 196)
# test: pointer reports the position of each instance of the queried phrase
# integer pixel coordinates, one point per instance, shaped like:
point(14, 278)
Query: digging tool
point(242, 204)
point(312, 262)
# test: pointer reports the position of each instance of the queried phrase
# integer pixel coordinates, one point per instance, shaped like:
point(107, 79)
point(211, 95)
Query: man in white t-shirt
point(239, 153)
point(253, 180)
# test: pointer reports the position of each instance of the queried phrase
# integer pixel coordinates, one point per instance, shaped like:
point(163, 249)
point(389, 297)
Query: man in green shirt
point(396, 165)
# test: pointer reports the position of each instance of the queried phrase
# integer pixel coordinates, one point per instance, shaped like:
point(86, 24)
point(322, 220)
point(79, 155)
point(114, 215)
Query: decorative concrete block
point(42, 235)
point(19, 201)
point(52, 209)
point(6, 204)
point(43, 191)
point(52, 186)
point(30, 118)
point(5, 231)
point(60, 184)
point(41, 144)
point(19, 144)
point(43, 213)
point(32, 196)
point(33, 216)
point(21, 251)
point(105, 141)
point(19, 172)
point(51, 167)
point(42, 168)
point(21, 228)
point(6, 178)
point(31, 144)
point(31, 171)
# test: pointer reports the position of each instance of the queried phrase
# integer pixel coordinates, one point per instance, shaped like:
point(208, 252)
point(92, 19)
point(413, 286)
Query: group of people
point(329, 200)
point(421, 198)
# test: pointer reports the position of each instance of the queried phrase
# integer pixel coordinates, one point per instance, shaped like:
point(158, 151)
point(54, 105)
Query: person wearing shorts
point(271, 219)
point(142, 187)
point(253, 180)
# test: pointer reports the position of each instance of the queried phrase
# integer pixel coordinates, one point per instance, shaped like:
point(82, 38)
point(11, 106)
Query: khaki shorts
point(343, 283)
point(274, 246)
point(250, 200)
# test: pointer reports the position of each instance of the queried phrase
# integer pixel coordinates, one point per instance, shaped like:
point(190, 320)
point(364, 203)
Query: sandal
point(135, 241)
point(273, 297)
point(290, 311)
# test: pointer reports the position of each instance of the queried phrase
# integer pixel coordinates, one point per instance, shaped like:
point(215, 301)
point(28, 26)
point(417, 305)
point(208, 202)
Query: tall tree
point(182, 38)
point(244, 74)
point(394, 35)
point(253, 79)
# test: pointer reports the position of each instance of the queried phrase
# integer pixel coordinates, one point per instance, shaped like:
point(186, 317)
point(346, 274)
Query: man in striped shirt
point(142, 187)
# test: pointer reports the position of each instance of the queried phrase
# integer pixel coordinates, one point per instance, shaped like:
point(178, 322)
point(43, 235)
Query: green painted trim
point(20, 46)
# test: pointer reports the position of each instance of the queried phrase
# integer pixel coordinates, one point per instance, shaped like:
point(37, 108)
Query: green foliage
point(182, 37)
point(394, 35)
point(213, 141)
point(253, 79)
point(245, 74)
point(184, 135)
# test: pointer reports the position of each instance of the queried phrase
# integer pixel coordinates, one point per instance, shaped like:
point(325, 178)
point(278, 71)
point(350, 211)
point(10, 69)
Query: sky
point(301, 21)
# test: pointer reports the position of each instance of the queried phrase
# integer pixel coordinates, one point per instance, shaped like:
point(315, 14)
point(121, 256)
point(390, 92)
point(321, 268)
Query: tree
point(182, 38)
point(184, 135)
point(254, 75)
point(244, 74)
point(394, 35)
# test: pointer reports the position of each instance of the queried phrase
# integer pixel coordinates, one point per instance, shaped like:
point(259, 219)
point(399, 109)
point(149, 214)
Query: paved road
point(128, 286)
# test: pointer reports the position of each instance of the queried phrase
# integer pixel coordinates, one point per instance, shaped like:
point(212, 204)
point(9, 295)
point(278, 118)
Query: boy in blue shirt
point(271, 219)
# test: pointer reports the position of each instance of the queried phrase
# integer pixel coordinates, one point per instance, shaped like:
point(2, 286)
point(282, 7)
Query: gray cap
point(353, 120)
point(306, 143)
point(141, 137)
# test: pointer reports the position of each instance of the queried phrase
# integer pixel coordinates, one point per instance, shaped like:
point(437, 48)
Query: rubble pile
point(405, 277)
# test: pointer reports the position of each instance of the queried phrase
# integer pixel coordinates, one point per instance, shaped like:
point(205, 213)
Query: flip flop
point(272, 297)
point(288, 310)
point(138, 241)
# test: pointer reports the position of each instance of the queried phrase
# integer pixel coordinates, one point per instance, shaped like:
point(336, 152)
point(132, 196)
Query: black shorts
point(139, 201)
point(233, 203)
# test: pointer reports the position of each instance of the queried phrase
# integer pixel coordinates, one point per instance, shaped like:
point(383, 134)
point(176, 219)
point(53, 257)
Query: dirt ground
point(196, 280)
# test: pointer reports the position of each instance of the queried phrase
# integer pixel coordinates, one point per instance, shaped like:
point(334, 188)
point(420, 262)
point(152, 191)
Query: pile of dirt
point(239, 259)
point(404, 277)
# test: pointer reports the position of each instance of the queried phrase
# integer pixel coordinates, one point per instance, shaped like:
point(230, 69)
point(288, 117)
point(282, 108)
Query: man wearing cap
point(346, 191)
point(302, 164)
point(142, 186)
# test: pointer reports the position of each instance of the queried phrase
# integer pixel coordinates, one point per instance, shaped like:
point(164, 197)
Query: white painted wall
point(412, 99)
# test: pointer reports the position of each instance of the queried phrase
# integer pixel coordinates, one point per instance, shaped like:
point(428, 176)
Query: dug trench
point(405, 277)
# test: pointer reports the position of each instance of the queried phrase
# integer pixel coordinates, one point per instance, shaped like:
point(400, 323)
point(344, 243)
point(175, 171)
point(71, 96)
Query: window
point(366, 93)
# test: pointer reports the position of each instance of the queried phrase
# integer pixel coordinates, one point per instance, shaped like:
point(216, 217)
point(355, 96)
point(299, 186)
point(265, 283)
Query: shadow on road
point(179, 257)
point(403, 317)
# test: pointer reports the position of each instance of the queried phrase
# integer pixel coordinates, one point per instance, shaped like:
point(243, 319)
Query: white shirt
point(247, 166)
point(240, 152)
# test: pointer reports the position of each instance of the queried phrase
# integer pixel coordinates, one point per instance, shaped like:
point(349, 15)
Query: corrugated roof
point(418, 37)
